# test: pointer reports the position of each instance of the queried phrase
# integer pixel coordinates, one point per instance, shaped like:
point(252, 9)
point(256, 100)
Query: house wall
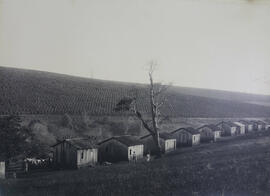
point(242, 129)
point(138, 149)
point(206, 134)
point(228, 130)
point(2, 170)
point(196, 139)
point(183, 138)
point(267, 127)
point(170, 145)
point(112, 151)
point(150, 146)
point(217, 134)
point(87, 157)
point(255, 126)
point(65, 155)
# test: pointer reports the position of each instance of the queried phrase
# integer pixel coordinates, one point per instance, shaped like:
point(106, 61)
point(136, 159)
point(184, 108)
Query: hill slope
point(36, 92)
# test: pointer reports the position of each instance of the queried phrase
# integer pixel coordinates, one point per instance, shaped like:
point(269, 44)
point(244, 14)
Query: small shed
point(120, 148)
point(241, 128)
point(75, 153)
point(248, 125)
point(186, 136)
point(209, 133)
point(227, 128)
point(167, 141)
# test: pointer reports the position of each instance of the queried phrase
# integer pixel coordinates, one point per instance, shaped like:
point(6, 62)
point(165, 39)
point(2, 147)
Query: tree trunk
point(157, 143)
point(154, 118)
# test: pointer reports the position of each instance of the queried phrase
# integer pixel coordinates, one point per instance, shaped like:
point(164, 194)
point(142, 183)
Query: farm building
point(120, 148)
point(75, 153)
point(227, 128)
point(186, 136)
point(209, 133)
point(167, 141)
point(248, 125)
point(241, 128)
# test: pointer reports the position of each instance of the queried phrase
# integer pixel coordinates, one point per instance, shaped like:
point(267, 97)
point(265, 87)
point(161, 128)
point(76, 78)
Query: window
point(82, 155)
point(194, 138)
point(130, 151)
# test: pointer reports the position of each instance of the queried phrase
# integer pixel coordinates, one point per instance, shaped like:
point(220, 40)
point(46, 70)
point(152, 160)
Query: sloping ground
point(35, 92)
point(236, 166)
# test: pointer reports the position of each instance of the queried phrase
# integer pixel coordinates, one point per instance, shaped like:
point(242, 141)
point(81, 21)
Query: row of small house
point(76, 153)
point(82, 152)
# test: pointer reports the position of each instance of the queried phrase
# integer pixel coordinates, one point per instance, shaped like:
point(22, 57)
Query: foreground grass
point(233, 167)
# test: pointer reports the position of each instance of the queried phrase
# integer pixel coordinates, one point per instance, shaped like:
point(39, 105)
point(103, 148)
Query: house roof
point(211, 126)
point(127, 140)
point(245, 122)
point(239, 123)
point(79, 143)
point(191, 130)
point(229, 123)
point(166, 135)
point(267, 121)
point(163, 135)
point(261, 122)
point(257, 122)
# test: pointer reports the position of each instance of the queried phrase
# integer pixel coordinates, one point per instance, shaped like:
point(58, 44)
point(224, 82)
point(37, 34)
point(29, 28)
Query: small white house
point(75, 153)
point(120, 148)
point(248, 125)
point(228, 128)
point(186, 136)
point(167, 142)
point(241, 129)
point(209, 133)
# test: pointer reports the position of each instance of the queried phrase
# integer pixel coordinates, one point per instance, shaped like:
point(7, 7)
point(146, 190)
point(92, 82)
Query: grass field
point(238, 166)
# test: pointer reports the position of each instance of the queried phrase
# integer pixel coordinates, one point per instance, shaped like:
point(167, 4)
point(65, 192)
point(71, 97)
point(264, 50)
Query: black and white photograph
point(134, 97)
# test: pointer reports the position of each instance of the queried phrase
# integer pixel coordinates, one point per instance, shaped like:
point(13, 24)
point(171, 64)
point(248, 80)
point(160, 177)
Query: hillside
point(36, 92)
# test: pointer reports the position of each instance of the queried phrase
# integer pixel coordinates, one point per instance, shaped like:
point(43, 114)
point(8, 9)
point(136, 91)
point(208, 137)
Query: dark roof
point(245, 122)
point(256, 122)
point(166, 136)
point(79, 143)
point(261, 122)
point(127, 140)
point(191, 130)
point(211, 126)
point(267, 121)
point(229, 123)
point(163, 135)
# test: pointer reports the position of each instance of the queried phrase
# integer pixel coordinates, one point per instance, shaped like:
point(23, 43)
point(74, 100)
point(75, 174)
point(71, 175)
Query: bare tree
point(157, 98)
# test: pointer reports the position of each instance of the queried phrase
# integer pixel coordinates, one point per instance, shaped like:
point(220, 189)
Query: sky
point(215, 44)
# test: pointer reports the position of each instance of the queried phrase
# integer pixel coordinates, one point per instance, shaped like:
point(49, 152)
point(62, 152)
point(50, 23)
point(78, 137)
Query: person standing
point(134, 157)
